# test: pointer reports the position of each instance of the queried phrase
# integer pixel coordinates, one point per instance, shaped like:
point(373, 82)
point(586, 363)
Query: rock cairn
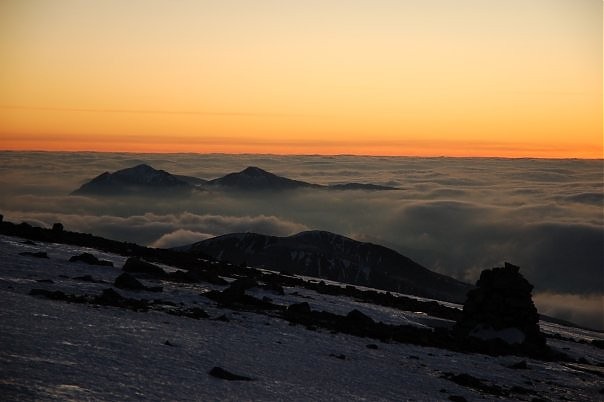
point(501, 307)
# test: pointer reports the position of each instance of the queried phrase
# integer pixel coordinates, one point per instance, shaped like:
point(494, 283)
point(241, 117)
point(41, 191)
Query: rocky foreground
point(80, 323)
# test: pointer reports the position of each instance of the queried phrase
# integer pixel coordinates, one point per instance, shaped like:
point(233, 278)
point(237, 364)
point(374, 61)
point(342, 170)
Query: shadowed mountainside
point(140, 179)
point(254, 178)
point(331, 256)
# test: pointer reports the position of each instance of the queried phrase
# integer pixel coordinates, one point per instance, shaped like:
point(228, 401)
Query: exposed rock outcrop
point(501, 308)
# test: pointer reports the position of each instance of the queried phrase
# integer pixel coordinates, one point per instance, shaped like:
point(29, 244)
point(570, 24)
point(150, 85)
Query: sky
point(380, 77)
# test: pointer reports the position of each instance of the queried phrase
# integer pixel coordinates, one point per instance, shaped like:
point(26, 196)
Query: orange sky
point(383, 77)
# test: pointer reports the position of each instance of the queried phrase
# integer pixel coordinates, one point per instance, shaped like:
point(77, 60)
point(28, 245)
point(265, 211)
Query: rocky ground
point(108, 328)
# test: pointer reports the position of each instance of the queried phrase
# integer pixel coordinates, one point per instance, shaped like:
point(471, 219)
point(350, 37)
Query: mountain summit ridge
point(141, 178)
point(255, 178)
point(145, 179)
point(335, 257)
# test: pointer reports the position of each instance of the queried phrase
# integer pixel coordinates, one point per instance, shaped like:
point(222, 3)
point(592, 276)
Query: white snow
point(52, 350)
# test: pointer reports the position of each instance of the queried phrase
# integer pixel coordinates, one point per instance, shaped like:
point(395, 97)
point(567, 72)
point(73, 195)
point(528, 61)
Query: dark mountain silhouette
point(254, 178)
point(331, 256)
point(257, 179)
point(143, 179)
point(140, 179)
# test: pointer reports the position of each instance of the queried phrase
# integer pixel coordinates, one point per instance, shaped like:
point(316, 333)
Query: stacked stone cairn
point(501, 308)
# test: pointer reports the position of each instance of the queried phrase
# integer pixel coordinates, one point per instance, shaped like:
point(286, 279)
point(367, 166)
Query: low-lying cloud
point(453, 215)
point(585, 310)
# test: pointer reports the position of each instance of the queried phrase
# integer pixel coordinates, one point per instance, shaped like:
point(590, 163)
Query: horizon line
point(433, 156)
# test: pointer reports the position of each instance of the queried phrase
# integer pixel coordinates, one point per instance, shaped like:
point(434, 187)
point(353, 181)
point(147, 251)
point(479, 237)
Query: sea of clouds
point(456, 216)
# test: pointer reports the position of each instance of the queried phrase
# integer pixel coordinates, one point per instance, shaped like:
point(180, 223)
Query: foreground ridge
point(112, 326)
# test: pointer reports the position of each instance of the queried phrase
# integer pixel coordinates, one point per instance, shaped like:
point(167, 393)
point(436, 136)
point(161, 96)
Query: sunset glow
point(466, 78)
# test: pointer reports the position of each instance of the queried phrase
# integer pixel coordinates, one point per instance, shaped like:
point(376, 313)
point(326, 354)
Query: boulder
point(127, 281)
point(135, 264)
point(90, 259)
point(221, 373)
point(299, 308)
point(355, 317)
point(501, 308)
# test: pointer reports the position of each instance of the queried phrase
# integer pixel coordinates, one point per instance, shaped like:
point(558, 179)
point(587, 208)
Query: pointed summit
point(255, 171)
point(253, 178)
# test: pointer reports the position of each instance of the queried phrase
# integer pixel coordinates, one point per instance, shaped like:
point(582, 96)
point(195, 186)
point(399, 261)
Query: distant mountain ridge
point(140, 179)
point(143, 179)
point(330, 256)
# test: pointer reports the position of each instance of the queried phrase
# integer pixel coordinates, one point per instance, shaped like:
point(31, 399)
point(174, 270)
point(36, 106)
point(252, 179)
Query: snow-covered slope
point(54, 350)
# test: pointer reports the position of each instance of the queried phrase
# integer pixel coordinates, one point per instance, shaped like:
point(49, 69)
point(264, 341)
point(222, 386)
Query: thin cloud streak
point(149, 111)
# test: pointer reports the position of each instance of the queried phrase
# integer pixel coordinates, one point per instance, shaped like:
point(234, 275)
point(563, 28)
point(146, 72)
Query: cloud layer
point(453, 215)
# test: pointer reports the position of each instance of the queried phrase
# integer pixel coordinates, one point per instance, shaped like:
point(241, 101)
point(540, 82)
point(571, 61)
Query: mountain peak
point(253, 178)
point(255, 171)
point(143, 167)
point(141, 178)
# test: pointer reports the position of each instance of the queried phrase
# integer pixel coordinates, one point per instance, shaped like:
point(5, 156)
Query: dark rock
point(275, 288)
point(466, 380)
point(90, 259)
point(457, 398)
point(135, 264)
point(49, 294)
point(372, 346)
point(221, 373)
point(236, 291)
point(299, 308)
point(338, 356)
point(45, 281)
point(502, 304)
point(168, 343)
point(243, 284)
point(196, 313)
point(195, 276)
point(57, 227)
point(110, 297)
point(521, 365)
point(357, 318)
point(37, 254)
point(598, 343)
point(222, 318)
point(127, 281)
